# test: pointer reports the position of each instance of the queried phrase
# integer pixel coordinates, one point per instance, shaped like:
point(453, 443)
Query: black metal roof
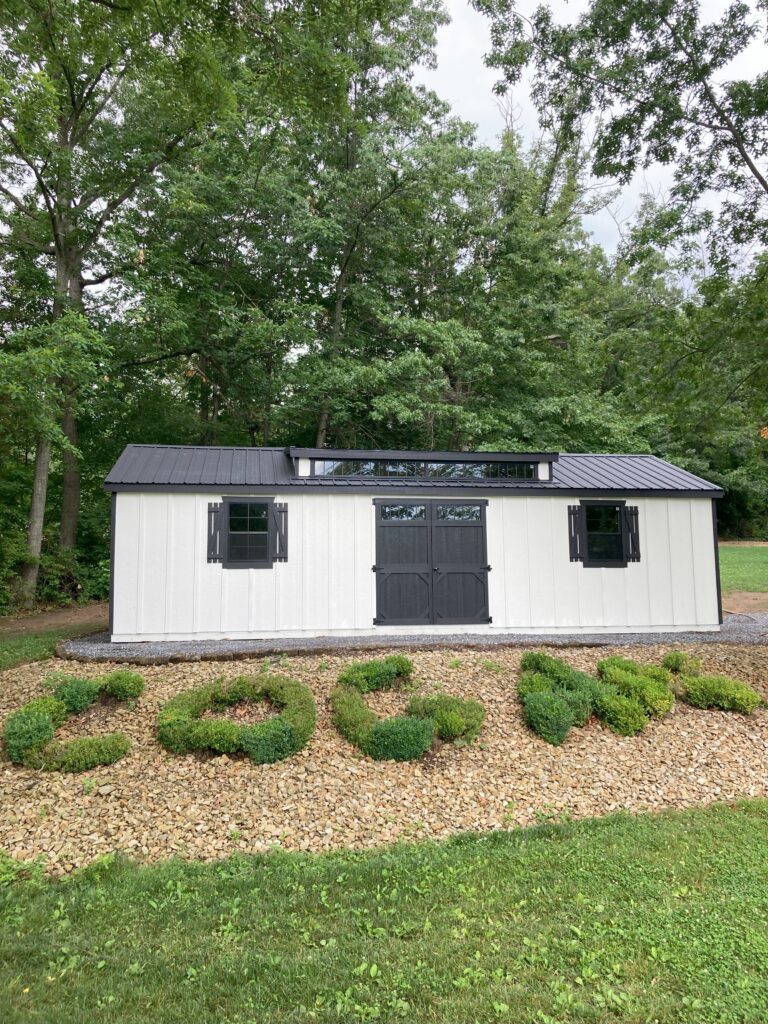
point(264, 470)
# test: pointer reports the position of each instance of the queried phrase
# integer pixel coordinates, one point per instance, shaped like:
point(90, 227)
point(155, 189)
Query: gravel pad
point(739, 629)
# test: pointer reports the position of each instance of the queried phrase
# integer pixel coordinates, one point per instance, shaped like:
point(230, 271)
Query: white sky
point(462, 79)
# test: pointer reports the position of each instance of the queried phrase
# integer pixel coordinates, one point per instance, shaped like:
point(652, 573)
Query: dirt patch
point(745, 602)
point(153, 804)
point(106, 715)
point(89, 616)
point(245, 712)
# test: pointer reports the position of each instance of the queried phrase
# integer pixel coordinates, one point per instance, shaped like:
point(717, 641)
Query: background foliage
point(303, 246)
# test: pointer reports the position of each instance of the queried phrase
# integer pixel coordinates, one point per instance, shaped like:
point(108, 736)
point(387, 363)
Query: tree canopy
point(245, 223)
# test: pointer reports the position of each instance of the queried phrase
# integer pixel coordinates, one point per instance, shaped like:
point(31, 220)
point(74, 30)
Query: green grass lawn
point(656, 918)
point(743, 567)
point(16, 649)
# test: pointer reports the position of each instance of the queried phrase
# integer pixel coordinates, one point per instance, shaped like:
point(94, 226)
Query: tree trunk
point(322, 427)
point(70, 484)
point(35, 529)
point(324, 418)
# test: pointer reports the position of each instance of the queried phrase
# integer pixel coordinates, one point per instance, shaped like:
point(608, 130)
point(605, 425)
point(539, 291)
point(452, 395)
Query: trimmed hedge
point(720, 692)
point(77, 694)
point(24, 730)
point(553, 668)
point(533, 682)
point(680, 663)
point(401, 737)
point(548, 715)
point(79, 755)
point(454, 717)
point(655, 672)
point(378, 673)
point(29, 733)
point(624, 715)
point(654, 697)
point(580, 703)
point(623, 698)
point(181, 729)
point(576, 695)
point(123, 685)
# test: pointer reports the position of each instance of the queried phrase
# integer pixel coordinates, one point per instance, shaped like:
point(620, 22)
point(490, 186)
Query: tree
point(96, 98)
point(655, 75)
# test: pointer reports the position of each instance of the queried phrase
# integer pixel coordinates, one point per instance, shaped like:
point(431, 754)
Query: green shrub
point(352, 716)
point(622, 714)
point(297, 705)
point(77, 694)
point(534, 682)
point(181, 730)
point(660, 675)
point(654, 696)
point(55, 709)
point(24, 730)
point(681, 663)
point(548, 715)
point(582, 683)
point(579, 702)
point(268, 741)
point(576, 692)
point(400, 738)
point(81, 754)
point(720, 692)
point(537, 661)
point(29, 732)
point(123, 685)
point(377, 674)
point(219, 735)
point(453, 717)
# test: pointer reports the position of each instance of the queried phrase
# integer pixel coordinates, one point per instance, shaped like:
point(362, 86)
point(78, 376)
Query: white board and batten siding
point(167, 590)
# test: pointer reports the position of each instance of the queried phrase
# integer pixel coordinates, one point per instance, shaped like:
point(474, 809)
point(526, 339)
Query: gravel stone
point(741, 629)
point(153, 805)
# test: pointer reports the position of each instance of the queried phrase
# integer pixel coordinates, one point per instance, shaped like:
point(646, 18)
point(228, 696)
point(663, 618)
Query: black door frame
point(429, 567)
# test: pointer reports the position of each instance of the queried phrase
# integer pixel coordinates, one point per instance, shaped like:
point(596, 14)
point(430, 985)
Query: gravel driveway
point(153, 804)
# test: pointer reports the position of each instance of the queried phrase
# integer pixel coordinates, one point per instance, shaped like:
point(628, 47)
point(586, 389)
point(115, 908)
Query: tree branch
point(130, 189)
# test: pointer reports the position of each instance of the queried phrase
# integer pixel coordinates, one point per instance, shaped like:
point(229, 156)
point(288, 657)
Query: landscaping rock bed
point(153, 804)
point(740, 629)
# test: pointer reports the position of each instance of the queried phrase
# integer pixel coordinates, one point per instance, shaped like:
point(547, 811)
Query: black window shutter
point(214, 532)
point(633, 533)
point(574, 533)
point(280, 514)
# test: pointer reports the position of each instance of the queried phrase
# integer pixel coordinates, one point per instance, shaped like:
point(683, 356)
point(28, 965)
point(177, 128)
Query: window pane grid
point(248, 528)
point(605, 542)
point(443, 470)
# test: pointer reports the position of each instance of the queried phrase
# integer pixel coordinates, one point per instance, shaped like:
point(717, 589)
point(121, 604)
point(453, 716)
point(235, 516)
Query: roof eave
point(441, 491)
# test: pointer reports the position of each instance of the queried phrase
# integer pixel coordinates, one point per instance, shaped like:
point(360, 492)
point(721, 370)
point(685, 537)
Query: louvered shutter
point(280, 533)
point(633, 533)
point(214, 532)
point(574, 533)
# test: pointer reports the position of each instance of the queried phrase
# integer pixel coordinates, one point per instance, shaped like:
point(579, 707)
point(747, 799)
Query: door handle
point(435, 568)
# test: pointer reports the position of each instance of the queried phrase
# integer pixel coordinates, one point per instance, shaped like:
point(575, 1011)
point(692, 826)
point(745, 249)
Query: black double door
point(431, 563)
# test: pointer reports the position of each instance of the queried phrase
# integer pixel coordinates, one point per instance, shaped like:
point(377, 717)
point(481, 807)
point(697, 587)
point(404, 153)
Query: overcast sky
point(463, 79)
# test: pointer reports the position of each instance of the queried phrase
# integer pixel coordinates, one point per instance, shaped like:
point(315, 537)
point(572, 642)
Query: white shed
point(233, 543)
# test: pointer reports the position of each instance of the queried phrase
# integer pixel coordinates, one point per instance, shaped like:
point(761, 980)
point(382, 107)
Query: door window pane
point(403, 512)
point(604, 537)
point(459, 513)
